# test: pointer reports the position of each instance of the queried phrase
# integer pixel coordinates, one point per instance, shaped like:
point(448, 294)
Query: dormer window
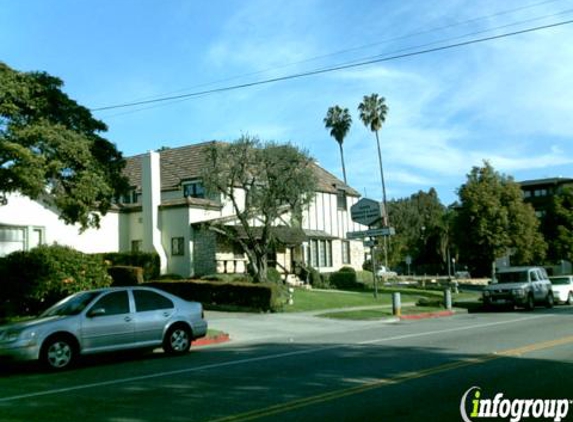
point(130, 197)
point(193, 189)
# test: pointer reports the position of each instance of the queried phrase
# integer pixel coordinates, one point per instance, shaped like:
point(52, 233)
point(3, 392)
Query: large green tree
point(268, 185)
point(338, 120)
point(51, 149)
point(373, 110)
point(492, 221)
point(557, 225)
point(421, 232)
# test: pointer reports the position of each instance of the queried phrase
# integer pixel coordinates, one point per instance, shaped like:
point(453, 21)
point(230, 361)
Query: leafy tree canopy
point(420, 231)
point(492, 221)
point(558, 226)
point(50, 149)
point(264, 182)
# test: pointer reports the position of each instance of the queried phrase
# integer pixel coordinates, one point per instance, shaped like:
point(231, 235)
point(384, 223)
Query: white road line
point(257, 359)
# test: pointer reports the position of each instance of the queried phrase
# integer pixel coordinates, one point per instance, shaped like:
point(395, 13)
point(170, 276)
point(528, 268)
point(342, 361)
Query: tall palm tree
point(338, 120)
point(373, 111)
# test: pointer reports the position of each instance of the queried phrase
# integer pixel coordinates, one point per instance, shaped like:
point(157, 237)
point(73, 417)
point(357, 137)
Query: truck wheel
point(550, 300)
point(530, 304)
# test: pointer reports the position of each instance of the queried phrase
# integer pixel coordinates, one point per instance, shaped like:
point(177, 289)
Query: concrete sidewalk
point(251, 327)
point(245, 327)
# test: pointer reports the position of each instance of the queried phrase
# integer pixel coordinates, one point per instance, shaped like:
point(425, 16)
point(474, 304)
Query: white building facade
point(167, 210)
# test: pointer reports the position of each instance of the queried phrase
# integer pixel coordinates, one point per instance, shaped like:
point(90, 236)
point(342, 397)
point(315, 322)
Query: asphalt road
point(302, 368)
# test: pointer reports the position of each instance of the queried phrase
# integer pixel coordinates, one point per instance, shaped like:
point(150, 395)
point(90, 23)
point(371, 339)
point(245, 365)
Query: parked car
point(562, 286)
point(384, 272)
point(519, 286)
point(105, 320)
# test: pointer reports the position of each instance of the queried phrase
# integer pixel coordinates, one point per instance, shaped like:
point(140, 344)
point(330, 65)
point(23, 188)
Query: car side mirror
point(96, 312)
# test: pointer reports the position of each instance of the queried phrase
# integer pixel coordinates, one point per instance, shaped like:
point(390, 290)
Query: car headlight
point(14, 335)
point(518, 292)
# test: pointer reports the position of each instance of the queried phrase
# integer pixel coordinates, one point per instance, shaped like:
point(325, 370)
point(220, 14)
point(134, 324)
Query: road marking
point(257, 359)
point(383, 382)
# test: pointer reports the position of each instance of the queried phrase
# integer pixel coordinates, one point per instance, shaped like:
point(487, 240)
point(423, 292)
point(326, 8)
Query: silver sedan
point(105, 320)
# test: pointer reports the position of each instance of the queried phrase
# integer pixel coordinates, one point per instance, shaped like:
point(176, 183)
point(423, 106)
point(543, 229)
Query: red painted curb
point(205, 341)
point(425, 315)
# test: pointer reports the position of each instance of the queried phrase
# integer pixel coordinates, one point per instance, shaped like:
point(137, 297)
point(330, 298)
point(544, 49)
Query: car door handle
point(166, 314)
point(127, 319)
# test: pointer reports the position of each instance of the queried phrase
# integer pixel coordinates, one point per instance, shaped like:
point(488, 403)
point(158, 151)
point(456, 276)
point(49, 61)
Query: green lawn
point(317, 300)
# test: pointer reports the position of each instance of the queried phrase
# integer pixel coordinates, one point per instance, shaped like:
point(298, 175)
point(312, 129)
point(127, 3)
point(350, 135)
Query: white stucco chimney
point(151, 200)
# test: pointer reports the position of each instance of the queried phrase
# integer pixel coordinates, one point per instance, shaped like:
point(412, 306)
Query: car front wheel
point(177, 341)
point(569, 298)
point(58, 353)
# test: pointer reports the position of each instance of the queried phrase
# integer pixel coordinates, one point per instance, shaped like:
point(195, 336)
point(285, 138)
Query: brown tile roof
point(184, 163)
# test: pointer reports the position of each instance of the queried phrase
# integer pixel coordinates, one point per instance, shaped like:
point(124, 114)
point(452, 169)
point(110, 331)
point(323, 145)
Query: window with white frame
point(12, 239)
point(177, 246)
point(341, 200)
point(345, 252)
point(320, 253)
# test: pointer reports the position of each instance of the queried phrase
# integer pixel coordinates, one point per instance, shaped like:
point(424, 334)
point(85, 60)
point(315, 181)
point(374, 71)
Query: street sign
point(385, 231)
point(366, 211)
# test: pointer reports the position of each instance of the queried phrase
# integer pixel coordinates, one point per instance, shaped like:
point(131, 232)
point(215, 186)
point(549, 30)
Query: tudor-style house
point(166, 211)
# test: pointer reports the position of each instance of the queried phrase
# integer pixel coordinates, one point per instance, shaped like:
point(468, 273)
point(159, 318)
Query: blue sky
point(507, 101)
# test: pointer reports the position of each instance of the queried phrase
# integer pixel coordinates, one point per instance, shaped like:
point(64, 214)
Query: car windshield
point(560, 280)
point(72, 305)
point(512, 277)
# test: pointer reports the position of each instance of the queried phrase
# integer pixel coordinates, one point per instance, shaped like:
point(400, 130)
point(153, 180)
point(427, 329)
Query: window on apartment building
point(540, 192)
point(177, 246)
point(341, 199)
point(320, 253)
point(527, 194)
point(194, 189)
point(136, 245)
point(12, 239)
point(345, 252)
point(130, 198)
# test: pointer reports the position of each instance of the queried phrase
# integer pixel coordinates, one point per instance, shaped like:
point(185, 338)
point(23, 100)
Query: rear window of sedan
point(146, 300)
point(560, 280)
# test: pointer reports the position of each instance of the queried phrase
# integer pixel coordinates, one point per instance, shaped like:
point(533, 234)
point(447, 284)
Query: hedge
point(30, 281)
point(150, 262)
point(217, 295)
point(345, 279)
point(125, 275)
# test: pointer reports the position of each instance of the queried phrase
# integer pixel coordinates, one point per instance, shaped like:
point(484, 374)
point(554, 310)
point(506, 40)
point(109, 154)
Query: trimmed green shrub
point(150, 262)
point(273, 276)
point(125, 275)
point(345, 279)
point(217, 295)
point(226, 278)
point(32, 280)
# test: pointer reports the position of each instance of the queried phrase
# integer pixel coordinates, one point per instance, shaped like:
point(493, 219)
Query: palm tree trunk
point(342, 159)
point(384, 202)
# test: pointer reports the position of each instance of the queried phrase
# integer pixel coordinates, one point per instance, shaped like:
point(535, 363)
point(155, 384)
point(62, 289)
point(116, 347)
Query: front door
point(108, 324)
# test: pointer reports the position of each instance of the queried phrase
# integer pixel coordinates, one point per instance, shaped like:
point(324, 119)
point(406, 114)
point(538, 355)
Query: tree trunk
point(342, 160)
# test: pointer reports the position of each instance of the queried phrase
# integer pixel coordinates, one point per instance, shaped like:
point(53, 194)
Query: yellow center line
point(382, 382)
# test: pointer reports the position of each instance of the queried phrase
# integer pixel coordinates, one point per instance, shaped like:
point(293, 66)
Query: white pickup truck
point(519, 286)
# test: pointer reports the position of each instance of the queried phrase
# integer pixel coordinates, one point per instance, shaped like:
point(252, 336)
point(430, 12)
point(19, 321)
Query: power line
point(334, 68)
point(364, 47)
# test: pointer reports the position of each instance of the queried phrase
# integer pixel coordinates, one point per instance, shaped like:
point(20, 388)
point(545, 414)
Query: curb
point(206, 341)
point(426, 315)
